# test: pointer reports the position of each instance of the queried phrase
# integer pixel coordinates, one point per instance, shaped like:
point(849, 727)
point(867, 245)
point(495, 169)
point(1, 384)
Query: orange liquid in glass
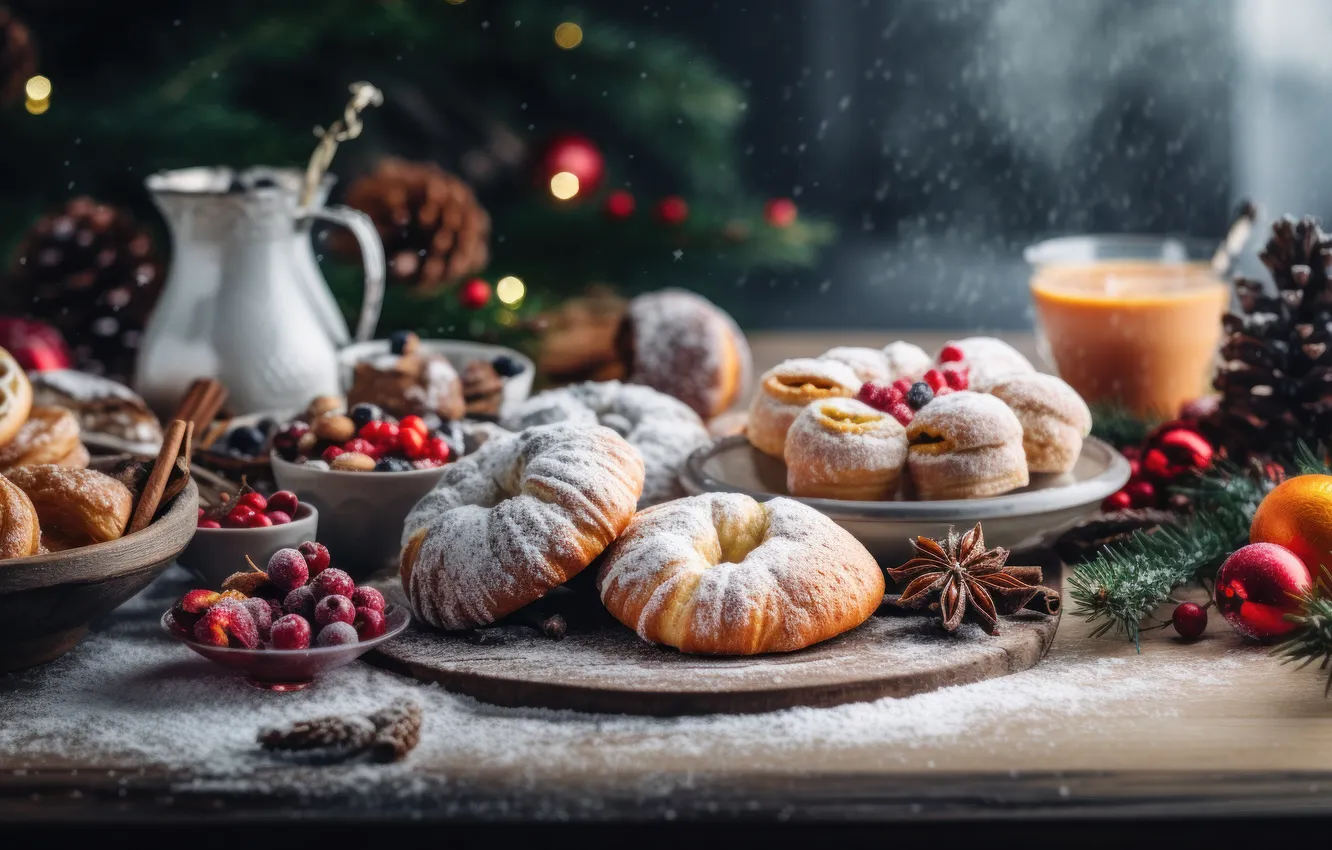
point(1140, 333)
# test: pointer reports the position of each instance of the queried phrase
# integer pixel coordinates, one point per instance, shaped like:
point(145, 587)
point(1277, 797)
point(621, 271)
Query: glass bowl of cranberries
point(283, 625)
point(247, 524)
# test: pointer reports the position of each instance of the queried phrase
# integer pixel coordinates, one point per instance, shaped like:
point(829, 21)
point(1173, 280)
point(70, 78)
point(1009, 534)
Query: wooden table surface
point(1209, 728)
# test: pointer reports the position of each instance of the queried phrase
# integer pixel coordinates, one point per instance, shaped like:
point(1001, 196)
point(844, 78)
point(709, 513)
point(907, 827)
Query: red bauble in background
point(619, 204)
point(36, 346)
point(576, 155)
point(474, 294)
point(780, 212)
point(1256, 588)
point(672, 210)
point(1189, 620)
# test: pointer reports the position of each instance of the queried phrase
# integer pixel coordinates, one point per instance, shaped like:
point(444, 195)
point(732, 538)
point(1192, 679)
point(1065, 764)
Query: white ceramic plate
point(459, 352)
point(1026, 517)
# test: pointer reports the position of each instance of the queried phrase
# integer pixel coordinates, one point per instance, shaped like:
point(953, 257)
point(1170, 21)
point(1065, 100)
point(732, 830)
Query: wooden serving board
point(607, 668)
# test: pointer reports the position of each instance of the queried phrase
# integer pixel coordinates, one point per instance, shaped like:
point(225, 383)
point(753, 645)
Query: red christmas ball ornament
point(474, 294)
point(672, 210)
point(780, 212)
point(37, 346)
point(1174, 450)
point(1141, 494)
point(576, 155)
point(619, 204)
point(1117, 501)
point(1256, 588)
point(1189, 620)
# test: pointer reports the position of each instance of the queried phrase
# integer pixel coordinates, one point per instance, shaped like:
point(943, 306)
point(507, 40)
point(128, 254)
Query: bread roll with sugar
point(1054, 418)
point(786, 389)
point(965, 445)
point(906, 361)
point(869, 364)
point(723, 574)
point(844, 449)
point(15, 396)
point(987, 360)
point(524, 514)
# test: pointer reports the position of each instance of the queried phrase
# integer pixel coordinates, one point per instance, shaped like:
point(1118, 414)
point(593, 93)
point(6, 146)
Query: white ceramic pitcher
point(244, 301)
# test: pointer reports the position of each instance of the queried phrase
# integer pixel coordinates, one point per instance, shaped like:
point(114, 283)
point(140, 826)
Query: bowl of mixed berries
point(284, 625)
point(363, 470)
point(246, 524)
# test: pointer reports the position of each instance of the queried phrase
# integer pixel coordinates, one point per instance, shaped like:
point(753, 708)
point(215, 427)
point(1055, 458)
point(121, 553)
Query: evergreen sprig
point(1313, 640)
point(1119, 426)
point(1127, 581)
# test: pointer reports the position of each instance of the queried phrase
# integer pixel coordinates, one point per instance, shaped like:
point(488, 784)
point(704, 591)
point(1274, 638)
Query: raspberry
point(337, 634)
point(919, 395)
point(334, 609)
point(412, 443)
point(285, 501)
point(902, 385)
point(878, 396)
point(368, 597)
point(332, 582)
point(262, 614)
point(278, 517)
point(316, 556)
point(936, 380)
point(331, 453)
point(950, 354)
point(413, 423)
point(259, 521)
point(902, 412)
point(254, 501)
point(228, 623)
point(957, 377)
point(300, 601)
point(360, 445)
point(369, 623)
point(291, 632)
point(288, 570)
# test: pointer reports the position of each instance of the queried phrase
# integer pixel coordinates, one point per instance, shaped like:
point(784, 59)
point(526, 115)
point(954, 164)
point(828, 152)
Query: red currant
point(254, 501)
point(414, 423)
point(412, 443)
point(437, 448)
point(1119, 501)
point(258, 521)
point(370, 430)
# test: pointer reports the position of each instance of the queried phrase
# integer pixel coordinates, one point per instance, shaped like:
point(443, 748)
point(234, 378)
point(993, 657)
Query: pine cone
point(1276, 377)
point(398, 731)
point(18, 57)
point(91, 271)
point(433, 229)
point(351, 734)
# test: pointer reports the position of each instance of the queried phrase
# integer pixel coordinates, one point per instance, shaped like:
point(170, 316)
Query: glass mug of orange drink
point(1129, 320)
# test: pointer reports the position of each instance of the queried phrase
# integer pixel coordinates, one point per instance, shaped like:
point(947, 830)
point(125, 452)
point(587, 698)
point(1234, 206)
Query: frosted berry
point(936, 380)
point(258, 521)
point(1189, 619)
point(337, 634)
point(262, 614)
point(878, 396)
point(369, 623)
point(287, 441)
point(919, 395)
point(365, 413)
point(332, 582)
point(300, 601)
point(902, 412)
point(290, 632)
point(957, 377)
point(278, 517)
point(360, 445)
point(334, 609)
point(316, 556)
point(368, 597)
point(275, 610)
point(254, 501)
point(332, 453)
point(285, 501)
point(227, 623)
point(288, 569)
point(426, 463)
point(950, 354)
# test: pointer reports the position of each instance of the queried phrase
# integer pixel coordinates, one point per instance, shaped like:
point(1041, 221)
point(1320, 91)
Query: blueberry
point(398, 341)
point(506, 366)
point(363, 414)
point(393, 464)
point(268, 426)
point(919, 395)
point(246, 440)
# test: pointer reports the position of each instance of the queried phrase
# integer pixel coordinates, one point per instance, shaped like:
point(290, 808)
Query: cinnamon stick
point(201, 403)
point(1047, 601)
point(172, 442)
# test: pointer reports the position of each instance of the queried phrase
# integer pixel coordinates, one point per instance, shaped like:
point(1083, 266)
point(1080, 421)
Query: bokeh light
point(510, 290)
point(564, 185)
point(568, 35)
point(38, 88)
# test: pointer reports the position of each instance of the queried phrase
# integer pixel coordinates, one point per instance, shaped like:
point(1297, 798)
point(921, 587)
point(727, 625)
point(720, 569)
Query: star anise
point(964, 581)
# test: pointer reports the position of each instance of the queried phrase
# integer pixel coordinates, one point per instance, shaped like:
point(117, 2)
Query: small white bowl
point(459, 352)
point(363, 511)
point(215, 553)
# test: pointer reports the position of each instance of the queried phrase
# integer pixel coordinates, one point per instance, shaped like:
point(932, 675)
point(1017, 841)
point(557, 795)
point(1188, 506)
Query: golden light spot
point(568, 35)
point(37, 107)
point(564, 185)
point(38, 88)
point(510, 290)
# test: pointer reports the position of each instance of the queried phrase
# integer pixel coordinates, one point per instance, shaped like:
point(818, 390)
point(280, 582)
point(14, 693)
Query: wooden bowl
point(48, 601)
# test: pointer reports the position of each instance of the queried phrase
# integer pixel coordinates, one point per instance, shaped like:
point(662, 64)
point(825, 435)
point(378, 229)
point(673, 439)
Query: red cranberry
point(278, 517)
point(209, 523)
point(290, 632)
point(262, 614)
point(1189, 619)
point(253, 500)
point(238, 517)
point(337, 634)
point(369, 623)
point(437, 448)
point(300, 601)
point(333, 582)
point(334, 609)
point(316, 556)
point(287, 569)
point(368, 597)
point(412, 443)
point(285, 501)
point(259, 521)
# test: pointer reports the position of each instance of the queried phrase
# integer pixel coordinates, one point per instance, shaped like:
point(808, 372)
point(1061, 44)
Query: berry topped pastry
point(965, 445)
point(408, 382)
point(986, 359)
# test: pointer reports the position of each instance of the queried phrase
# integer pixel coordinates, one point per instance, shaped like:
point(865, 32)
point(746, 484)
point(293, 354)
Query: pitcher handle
point(372, 255)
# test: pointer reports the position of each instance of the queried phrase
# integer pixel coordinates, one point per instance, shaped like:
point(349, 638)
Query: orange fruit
point(1298, 516)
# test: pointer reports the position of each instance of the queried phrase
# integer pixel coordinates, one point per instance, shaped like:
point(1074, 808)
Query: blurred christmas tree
point(597, 152)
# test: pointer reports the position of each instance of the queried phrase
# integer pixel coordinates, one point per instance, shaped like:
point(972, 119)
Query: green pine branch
point(1119, 426)
point(1313, 640)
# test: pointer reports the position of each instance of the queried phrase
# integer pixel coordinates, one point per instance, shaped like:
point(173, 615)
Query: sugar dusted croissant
point(76, 507)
